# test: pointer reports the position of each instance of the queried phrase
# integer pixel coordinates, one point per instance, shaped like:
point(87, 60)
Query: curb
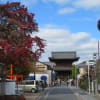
point(97, 96)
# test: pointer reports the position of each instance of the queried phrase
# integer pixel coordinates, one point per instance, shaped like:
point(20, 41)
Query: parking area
point(31, 96)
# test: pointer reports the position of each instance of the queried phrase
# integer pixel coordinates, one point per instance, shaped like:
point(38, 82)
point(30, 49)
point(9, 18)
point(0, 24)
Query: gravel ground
point(31, 96)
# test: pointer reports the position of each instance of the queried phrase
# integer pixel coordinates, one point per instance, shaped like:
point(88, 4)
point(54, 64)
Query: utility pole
point(95, 73)
point(98, 49)
point(88, 77)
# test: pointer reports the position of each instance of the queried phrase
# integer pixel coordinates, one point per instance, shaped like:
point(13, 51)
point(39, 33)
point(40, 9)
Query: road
point(59, 93)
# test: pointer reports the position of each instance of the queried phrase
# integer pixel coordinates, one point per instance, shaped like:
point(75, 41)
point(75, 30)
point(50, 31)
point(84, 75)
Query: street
point(59, 93)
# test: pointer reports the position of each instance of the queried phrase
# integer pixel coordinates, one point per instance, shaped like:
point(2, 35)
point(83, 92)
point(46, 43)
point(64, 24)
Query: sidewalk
point(31, 96)
point(84, 95)
point(35, 96)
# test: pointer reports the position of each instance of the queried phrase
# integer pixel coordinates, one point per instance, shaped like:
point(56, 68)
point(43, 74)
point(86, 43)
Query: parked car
point(29, 85)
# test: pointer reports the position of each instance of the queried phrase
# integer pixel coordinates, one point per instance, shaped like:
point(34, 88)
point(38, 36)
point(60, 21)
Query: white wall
point(38, 76)
point(9, 88)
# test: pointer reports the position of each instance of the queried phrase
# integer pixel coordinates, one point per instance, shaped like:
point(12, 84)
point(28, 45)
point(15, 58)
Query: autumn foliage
point(17, 46)
point(98, 25)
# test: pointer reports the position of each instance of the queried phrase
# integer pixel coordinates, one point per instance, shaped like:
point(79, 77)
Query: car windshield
point(30, 82)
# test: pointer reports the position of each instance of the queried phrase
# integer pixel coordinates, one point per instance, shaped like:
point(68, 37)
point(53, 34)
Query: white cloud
point(66, 10)
point(87, 3)
point(64, 40)
point(57, 1)
point(25, 2)
point(28, 2)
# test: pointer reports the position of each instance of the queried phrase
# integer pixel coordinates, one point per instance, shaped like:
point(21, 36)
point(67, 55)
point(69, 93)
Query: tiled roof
point(84, 64)
point(63, 55)
point(51, 64)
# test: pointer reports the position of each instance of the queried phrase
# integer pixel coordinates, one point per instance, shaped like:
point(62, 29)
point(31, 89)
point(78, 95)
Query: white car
point(29, 85)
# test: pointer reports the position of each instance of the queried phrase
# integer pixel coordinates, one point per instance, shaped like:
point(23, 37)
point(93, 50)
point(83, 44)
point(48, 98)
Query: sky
point(66, 25)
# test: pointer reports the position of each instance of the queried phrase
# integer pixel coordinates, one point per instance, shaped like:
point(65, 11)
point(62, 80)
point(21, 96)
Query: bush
point(83, 84)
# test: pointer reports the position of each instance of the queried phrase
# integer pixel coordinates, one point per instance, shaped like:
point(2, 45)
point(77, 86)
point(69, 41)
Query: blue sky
point(67, 25)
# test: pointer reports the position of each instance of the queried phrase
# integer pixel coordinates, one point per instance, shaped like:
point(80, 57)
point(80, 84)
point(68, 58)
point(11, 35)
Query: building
point(51, 72)
point(63, 61)
point(43, 70)
point(83, 67)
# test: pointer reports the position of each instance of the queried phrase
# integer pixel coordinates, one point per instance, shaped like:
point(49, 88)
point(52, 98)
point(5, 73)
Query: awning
point(52, 74)
point(43, 77)
point(31, 77)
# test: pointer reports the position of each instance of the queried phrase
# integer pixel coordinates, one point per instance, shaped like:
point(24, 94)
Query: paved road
point(59, 93)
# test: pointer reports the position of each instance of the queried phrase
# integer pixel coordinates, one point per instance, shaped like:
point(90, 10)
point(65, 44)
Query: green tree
point(75, 71)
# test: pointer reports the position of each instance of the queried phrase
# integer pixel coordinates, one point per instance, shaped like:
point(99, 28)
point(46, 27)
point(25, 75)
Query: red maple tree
point(17, 47)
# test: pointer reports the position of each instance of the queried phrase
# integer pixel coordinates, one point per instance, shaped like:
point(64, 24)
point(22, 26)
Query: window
point(29, 82)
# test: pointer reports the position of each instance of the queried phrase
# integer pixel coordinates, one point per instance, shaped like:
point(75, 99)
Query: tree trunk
point(3, 79)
